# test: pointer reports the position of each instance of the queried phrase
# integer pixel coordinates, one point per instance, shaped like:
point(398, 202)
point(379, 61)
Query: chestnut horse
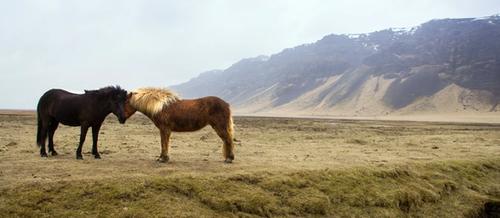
point(85, 110)
point(171, 114)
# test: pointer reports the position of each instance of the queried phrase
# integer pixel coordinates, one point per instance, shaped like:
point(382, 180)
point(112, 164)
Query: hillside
point(441, 66)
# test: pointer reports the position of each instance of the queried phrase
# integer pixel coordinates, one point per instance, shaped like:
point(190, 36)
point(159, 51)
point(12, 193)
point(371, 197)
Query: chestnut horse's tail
point(229, 140)
point(230, 127)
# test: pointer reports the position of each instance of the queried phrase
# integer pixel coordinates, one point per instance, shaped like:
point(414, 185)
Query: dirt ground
point(265, 144)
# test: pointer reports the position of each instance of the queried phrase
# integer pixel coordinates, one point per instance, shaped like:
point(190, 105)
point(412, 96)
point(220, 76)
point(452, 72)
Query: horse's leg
point(52, 129)
point(83, 134)
point(226, 136)
point(43, 137)
point(95, 135)
point(165, 138)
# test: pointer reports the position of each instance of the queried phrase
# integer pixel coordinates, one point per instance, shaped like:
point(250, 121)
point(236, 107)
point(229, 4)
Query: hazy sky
point(88, 44)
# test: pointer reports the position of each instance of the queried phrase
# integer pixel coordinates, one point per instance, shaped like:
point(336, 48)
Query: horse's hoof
point(53, 153)
point(228, 161)
point(43, 154)
point(163, 159)
point(79, 157)
point(97, 156)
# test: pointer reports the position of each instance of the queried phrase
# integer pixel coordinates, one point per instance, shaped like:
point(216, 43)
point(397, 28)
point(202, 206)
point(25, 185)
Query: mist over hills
point(441, 66)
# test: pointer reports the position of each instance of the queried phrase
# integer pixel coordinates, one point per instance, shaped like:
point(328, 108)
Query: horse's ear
point(130, 94)
point(86, 91)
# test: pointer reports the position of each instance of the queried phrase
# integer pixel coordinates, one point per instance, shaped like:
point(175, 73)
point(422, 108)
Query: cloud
point(89, 44)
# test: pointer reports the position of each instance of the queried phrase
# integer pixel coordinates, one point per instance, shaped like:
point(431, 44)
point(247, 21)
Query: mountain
point(445, 65)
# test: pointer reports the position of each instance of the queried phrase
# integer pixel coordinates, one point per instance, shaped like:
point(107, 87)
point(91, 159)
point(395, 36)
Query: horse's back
point(193, 114)
point(212, 105)
point(53, 96)
point(218, 105)
point(60, 105)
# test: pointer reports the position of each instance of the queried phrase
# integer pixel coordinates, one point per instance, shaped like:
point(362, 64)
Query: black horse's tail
point(39, 131)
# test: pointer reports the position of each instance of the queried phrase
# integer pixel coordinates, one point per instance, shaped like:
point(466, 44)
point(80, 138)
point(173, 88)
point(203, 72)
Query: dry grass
point(453, 189)
point(283, 167)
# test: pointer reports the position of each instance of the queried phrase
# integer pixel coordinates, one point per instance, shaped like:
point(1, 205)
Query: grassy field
point(283, 167)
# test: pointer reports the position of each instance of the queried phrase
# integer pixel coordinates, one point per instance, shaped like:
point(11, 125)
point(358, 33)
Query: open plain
point(283, 167)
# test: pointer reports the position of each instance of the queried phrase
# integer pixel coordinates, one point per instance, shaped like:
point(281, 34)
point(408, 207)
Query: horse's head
point(118, 96)
point(129, 110)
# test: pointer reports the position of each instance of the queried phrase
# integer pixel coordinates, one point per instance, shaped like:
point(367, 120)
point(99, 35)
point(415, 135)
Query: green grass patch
point(440, 189)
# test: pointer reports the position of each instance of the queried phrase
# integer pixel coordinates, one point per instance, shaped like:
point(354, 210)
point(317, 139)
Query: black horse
point(85, 110)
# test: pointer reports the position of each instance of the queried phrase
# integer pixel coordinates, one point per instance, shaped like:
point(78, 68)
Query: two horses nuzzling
point(167, 111)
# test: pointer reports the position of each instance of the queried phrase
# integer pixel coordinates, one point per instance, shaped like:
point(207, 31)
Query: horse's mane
point(108, 91)
point(152, 100)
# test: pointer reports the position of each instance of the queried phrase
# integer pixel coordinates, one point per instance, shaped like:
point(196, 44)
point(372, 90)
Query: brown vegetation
point(285, 167)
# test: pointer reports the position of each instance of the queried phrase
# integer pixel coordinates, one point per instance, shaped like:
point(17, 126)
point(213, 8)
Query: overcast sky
point(88, 44)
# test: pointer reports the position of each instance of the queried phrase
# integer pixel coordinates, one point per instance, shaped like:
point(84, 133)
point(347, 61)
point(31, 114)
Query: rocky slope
point(442, 66)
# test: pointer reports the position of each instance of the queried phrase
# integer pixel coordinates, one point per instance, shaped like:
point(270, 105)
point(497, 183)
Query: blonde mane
point(152, 100)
